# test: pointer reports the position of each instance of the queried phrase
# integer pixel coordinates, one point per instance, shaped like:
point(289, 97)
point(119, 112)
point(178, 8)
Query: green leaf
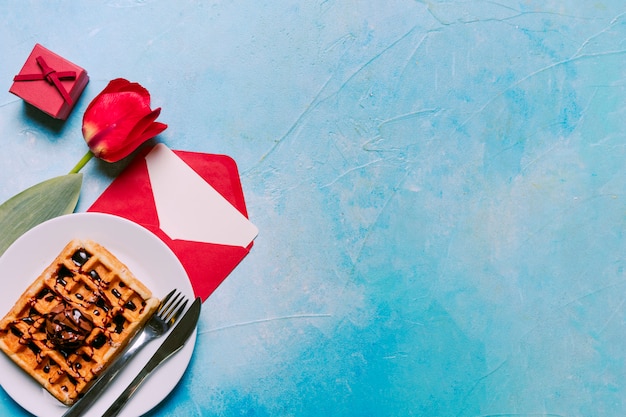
point(35, 205)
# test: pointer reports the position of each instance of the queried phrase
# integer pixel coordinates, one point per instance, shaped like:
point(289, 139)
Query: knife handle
point(123, 398)
point(172, 344)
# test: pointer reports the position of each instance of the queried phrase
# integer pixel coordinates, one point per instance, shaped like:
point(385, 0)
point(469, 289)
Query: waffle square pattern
point(75, 318)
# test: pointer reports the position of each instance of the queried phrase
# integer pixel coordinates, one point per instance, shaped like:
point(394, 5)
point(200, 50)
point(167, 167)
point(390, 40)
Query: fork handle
point(105, 379)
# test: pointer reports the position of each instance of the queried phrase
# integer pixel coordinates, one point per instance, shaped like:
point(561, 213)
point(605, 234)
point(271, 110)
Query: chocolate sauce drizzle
point(66, 328)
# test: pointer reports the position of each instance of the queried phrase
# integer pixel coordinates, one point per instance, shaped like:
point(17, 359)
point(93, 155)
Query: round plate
point(150, 260)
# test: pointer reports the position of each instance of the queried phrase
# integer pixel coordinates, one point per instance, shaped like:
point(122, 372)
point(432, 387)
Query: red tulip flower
point(119, 119)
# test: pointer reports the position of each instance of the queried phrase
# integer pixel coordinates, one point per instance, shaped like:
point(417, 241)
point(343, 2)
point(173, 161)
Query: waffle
point(74, 319)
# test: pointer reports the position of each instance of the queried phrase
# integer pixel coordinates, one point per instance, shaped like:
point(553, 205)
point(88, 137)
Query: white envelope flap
point(189, 208)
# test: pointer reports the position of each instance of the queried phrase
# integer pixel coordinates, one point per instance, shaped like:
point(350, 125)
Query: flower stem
point(82, 162)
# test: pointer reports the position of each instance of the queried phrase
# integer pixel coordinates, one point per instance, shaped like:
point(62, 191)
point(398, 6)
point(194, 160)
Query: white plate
point(146, 256)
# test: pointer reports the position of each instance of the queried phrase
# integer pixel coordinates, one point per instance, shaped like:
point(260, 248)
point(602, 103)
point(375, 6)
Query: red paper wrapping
point(52, 85)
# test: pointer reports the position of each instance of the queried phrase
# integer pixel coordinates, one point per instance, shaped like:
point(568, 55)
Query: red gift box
point(50, 82)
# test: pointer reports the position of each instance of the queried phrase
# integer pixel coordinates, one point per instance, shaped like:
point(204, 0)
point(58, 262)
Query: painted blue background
point(439, 187)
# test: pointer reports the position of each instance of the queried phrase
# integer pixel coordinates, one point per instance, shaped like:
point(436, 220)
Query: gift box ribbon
point(52, 76)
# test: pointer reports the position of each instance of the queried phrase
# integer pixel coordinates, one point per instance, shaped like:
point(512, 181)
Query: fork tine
point(170, 320)
point(171, 305)
point(165, 300)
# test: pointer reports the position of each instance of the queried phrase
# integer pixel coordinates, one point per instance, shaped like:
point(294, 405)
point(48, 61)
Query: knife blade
point(172, 344)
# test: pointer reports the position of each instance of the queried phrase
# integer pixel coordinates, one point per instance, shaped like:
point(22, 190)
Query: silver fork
point(172, 305)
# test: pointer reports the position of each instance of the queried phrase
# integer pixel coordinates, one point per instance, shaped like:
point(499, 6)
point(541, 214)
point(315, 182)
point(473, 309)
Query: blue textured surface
point(439, 188)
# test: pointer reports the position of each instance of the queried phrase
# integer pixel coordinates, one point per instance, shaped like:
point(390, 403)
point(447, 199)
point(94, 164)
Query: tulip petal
point(138, 89)
point(123, 109)
point(145, 129)
point(120, 85)
point(153, 130)
point(115, 85)
point(112, 87)
point(105, 142)
point(144, 122)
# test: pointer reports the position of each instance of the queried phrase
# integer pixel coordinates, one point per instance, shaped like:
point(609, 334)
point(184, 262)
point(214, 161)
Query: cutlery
point(172, 344)
point(164, 318)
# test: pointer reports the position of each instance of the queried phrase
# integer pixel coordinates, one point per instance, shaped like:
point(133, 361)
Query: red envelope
point(130, 196)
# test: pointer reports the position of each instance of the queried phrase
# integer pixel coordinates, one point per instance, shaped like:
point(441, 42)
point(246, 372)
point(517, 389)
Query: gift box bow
point(50, 75)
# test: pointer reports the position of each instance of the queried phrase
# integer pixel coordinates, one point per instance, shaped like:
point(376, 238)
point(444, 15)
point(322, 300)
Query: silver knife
point(172, 344)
